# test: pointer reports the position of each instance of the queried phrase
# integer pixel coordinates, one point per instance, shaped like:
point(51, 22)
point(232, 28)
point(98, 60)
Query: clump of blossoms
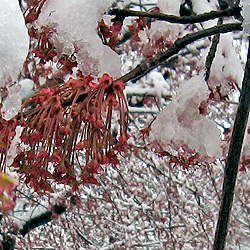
point(34, 10)
point(67, 133)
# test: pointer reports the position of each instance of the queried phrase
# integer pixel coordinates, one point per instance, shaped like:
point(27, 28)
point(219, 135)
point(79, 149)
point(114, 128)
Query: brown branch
point(144, 67)
point(233, 160)
point(176, 19)
point(160, 59)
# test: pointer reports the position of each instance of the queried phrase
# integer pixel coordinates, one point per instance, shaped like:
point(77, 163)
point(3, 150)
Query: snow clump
point(75, 23)
point(181, 123)
point(14, 41)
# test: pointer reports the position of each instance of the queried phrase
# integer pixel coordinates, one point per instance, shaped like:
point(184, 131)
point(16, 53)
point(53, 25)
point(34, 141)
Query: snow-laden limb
point(75, 33)
point(181, 122)
point(152, 84)
point(246, 16)
point(226, 67)
point(14, 41)
point(203, 17)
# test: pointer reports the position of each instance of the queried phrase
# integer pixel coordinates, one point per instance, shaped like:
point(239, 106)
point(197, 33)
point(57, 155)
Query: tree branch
point(146, 66)
point(233, 160)
point(176, 19)
point(212, 52)
point(7, 243)
point(41, 219)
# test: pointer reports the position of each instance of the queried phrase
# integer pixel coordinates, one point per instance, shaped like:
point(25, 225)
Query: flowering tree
point(116, 119)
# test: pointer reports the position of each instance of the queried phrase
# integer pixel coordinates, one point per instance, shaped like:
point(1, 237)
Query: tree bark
point(41, 219)
point(233, 159)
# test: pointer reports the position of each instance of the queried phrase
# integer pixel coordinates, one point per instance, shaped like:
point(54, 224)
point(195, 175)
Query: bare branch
point(212, 51)
point(176, 19)
point(41, 219)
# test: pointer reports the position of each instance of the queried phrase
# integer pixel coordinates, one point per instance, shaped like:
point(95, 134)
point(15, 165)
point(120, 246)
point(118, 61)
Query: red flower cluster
point(7, 133)
point(109, 34)
point(35, 7)
point(67, 136)
point(141, 23)
point(181, 155)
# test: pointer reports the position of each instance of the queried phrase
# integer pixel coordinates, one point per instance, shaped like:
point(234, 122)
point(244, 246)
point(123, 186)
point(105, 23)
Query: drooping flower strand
point(7, 133)
point(57, 134)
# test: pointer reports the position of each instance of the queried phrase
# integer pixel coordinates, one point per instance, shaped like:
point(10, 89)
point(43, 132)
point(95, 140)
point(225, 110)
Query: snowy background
point(148, 202)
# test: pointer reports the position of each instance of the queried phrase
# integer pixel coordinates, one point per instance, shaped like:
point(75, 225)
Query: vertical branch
point(212, 51)
point(233, 160)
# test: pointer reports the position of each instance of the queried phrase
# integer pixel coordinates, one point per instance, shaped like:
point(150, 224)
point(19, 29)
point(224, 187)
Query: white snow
point(17, 93)
point(75, 23)
point(226, 64)
point(27, 89)
point(169, 7)
point(181, 123)
point(227, 60)
point(14, 41)
point(154, 84)
point(12, 103)
point(12, 152)
point(202, 6)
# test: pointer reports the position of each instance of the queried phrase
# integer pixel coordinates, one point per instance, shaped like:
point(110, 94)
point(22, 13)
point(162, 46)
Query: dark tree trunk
point(233, 159)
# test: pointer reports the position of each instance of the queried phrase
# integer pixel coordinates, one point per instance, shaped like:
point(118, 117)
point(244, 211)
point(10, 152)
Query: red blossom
point(56, 132)
point(34, 11)
point(7, 133)
point(119, 85)
point(42, 153)
point(145, 131)
point(35, 136)
point(65, 130)
point(56, 157)
point(76, 83)
point(81, 145)
point(47, 91)
point(90, 179)
point(94, 167)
